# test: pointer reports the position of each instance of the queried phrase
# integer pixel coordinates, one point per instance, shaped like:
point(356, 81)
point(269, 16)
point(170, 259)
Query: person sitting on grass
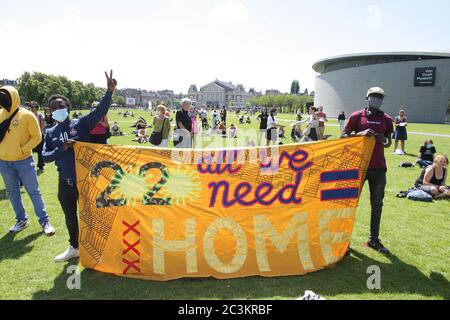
point(281, 133)
point(222, 129)
point(115, 130)
point(139, 125)
point(433, 179)
point(233, 131)
point(296, 132)
point(142, 136)
point(426, 154)
point(241, 120)
point(248, 121)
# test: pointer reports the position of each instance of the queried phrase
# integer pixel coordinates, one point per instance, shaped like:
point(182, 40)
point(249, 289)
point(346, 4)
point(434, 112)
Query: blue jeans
point(24, 170)
point(424, 163)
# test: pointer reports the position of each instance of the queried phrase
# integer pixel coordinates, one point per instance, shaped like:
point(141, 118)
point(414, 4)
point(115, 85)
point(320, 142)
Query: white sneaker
point(19, 226)
point(48, 229)
point(68, 254)
point(309, 295)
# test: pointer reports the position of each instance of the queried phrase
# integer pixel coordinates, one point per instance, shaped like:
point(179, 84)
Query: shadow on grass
point(14, 249)
point(349, 277)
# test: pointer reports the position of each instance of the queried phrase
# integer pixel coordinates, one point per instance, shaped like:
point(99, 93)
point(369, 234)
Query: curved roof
point(321, 65)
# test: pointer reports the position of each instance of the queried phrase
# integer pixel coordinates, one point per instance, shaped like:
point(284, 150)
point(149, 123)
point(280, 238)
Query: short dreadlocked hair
point(58, 96)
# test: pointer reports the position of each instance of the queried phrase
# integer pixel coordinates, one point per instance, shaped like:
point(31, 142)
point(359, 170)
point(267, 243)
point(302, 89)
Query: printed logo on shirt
point(373, 122)
point(63, 137)
point(15, 123)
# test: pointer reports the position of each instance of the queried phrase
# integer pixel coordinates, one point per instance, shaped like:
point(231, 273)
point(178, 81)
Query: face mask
point(375, 102)
point(60, 115)
point(429, 146)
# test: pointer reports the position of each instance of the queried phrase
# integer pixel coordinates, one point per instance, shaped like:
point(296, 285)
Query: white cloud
point(9, 25)
point(231, 11)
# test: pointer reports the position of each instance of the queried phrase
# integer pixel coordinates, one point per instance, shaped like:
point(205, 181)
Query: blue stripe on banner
point(339, 176)
point(340, 194)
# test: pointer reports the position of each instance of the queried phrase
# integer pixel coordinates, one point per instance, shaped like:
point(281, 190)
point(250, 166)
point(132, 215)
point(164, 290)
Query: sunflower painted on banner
point(163, 214)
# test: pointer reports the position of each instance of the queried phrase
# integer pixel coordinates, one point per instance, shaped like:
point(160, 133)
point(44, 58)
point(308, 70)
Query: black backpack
point(406, 165)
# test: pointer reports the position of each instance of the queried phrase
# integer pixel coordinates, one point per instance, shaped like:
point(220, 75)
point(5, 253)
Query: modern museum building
point(417, 82)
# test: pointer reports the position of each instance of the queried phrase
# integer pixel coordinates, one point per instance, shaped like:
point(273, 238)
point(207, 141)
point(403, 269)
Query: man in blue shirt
point(58, 147)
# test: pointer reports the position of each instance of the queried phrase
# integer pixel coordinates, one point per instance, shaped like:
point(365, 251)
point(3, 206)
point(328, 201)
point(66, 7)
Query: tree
point(292, 102)
point(295, 87)
point(119, 100)
point(38, 86)
point(29, 88)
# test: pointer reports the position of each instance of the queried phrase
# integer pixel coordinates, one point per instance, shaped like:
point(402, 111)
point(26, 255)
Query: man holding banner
point(58, 147)
point(371, 121)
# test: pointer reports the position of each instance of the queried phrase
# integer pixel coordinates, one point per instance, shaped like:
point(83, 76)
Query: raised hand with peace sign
point(111, 82)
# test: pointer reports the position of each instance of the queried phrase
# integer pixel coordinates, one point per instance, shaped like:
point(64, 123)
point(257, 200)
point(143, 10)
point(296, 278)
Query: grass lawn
point(416, 233)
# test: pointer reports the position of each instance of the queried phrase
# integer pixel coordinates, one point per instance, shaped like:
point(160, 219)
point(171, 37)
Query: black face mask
point(5, 100)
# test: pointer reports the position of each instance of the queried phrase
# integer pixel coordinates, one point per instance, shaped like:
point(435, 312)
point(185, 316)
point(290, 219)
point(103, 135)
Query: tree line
point(289, 101)
point(38, 86)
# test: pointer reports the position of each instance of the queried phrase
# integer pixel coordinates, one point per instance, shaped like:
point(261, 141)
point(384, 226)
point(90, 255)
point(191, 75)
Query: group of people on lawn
point(21, 132)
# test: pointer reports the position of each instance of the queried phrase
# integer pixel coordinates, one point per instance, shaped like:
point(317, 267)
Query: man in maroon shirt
point(369, 122)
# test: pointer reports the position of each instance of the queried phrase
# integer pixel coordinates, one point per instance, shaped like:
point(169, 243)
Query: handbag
point(4, 126)
point(157, 137)
point(177, 137)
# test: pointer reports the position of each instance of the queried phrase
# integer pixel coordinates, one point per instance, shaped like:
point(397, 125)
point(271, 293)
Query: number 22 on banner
point(148, 199)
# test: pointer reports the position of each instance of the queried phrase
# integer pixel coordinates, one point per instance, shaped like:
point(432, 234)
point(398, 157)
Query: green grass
point(416, 233)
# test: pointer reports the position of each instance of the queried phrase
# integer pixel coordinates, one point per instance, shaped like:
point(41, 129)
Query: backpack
point(406, 165)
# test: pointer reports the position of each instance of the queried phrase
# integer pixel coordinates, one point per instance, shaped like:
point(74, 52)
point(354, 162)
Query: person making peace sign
point(58, 147)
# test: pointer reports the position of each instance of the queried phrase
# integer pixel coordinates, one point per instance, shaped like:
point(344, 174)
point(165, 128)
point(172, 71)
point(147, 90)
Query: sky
point(171, 44)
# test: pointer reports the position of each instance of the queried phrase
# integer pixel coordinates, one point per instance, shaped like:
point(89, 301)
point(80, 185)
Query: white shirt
point(271, 123)
point(311, 121)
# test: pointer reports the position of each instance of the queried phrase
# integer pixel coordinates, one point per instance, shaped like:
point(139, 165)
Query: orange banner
point(163, 214)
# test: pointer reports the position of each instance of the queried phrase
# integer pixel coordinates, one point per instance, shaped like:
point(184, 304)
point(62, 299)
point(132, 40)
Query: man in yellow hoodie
point(19, 135)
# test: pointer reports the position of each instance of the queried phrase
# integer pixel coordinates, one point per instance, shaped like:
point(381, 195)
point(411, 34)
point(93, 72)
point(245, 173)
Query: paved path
point(336, 125)
point(430, 134)
point(409, 132)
